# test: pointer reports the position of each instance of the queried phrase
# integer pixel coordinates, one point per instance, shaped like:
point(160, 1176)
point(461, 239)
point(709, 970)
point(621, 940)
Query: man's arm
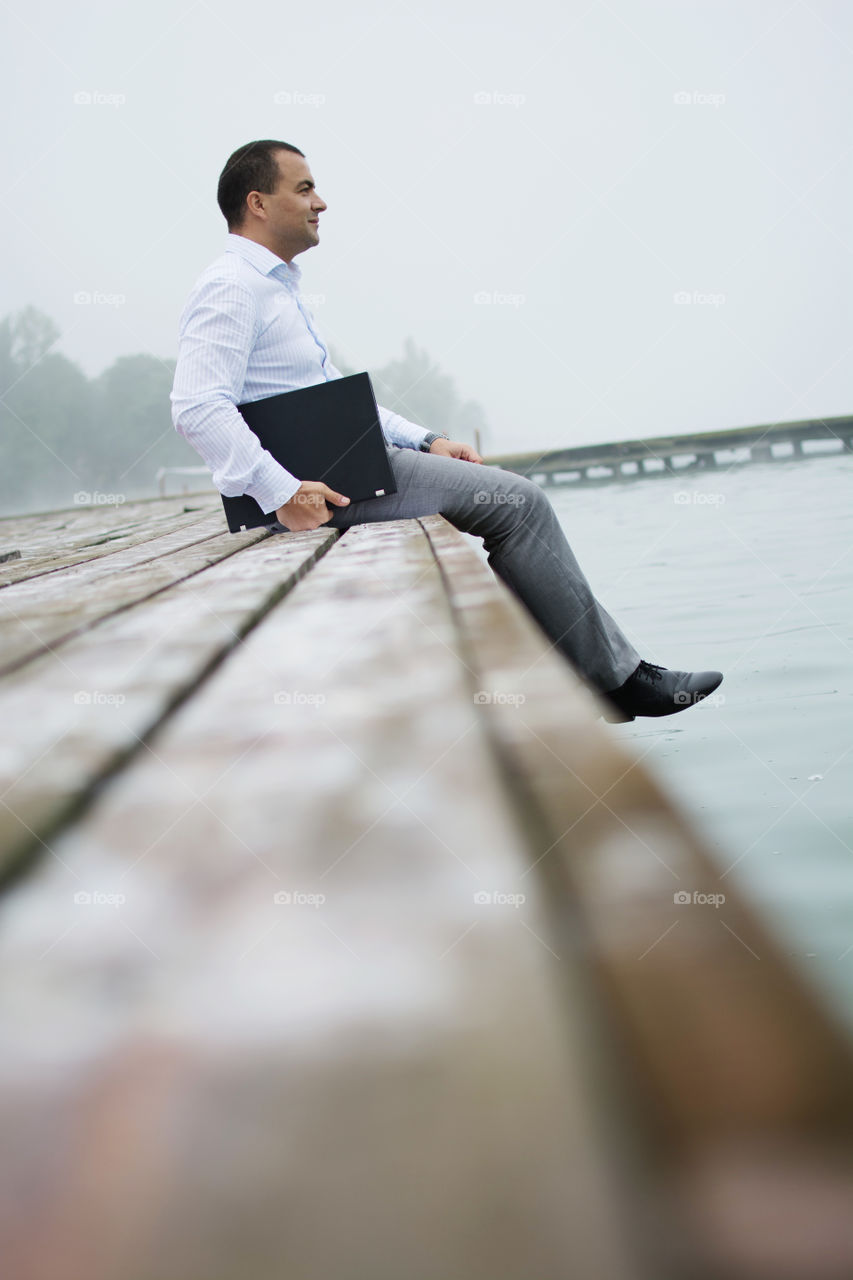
point(405, 433)
point(216, 336)
point(400, 431)
point(455, 449)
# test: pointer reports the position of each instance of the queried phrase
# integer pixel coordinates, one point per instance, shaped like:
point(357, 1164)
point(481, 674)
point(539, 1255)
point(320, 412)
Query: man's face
point(291, 213)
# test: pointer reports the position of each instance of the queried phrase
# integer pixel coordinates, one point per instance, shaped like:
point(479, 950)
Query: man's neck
point(279, 250)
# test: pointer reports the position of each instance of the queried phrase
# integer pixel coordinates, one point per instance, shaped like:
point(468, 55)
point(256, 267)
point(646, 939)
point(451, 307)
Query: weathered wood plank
point(45, 611)
point(376, 1082)
point(53, 545)
point(750, 1085)
point(108, 687)
point(76, 521)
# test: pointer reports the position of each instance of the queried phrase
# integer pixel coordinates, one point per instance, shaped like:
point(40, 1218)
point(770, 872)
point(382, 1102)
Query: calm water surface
point(747, 570)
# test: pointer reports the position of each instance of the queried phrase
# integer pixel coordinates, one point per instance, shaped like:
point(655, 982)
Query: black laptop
point(329, 432)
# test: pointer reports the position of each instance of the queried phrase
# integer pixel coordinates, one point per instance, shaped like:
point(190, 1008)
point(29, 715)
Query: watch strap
point(424, 445)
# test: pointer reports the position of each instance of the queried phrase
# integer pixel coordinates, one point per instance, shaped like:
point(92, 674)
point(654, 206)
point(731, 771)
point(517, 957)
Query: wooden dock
point(625, 460)
point(340, 940)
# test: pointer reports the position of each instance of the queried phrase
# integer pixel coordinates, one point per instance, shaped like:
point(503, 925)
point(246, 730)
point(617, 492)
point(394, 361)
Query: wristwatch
point(429, 437)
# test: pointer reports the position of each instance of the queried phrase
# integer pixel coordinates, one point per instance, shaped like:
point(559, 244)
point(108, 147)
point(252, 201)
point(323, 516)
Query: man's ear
point(255, 204)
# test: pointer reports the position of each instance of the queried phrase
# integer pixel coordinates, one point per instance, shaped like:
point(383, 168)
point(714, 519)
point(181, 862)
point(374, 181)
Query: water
point(749, 571)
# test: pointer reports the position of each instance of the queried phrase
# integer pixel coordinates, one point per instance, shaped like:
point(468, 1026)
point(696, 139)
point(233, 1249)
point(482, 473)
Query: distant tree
point(414, 387)
point(45, 415)
point(132, 422)
point(62, 434)
point(31, 335)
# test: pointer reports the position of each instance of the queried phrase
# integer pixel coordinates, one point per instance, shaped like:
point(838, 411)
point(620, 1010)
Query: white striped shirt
point(245, 334)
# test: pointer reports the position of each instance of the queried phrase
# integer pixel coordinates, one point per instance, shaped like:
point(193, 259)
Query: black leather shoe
point(654, 691)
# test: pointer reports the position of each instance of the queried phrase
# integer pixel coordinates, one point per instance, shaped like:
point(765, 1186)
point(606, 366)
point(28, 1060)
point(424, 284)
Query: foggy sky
point(526, 190)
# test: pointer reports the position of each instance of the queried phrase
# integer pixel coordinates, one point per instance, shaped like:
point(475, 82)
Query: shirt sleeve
point(217, 332)
point(395, 428)
point(400, 431)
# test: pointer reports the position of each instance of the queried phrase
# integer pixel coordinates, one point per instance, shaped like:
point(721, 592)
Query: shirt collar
point(261, 258)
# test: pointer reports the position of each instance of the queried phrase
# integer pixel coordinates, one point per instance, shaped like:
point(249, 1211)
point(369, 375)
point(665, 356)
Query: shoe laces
point(651, 670)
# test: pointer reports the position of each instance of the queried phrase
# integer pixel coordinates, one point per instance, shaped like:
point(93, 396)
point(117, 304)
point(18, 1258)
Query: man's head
point(266, 193)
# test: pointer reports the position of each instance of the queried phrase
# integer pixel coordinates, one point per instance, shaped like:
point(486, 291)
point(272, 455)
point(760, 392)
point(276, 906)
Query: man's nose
point(319, 203)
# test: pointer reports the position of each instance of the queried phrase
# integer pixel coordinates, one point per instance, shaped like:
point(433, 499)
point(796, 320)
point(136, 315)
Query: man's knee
point(517, 493)
point(497, 503)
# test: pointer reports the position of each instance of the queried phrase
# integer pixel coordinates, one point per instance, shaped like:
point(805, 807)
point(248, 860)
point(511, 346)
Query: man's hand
point(307, 508)
point(453, 449)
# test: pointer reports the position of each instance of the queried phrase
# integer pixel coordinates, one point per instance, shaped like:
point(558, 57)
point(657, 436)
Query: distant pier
point(665, 455)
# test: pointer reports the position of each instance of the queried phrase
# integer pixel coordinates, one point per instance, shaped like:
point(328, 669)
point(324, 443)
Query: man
point(246, 333)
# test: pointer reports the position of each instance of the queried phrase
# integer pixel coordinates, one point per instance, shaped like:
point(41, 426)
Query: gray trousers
point(526, 548)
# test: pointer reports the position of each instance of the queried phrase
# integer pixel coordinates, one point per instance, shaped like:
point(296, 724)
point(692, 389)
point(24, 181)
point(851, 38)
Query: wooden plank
point(46, 611)
point(70, 717)
point(53, 545)
point(40, 527)
point(749, 1083)
point(200, 1080)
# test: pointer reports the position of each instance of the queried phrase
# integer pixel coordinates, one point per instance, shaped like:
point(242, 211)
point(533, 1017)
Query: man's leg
point(525, 544)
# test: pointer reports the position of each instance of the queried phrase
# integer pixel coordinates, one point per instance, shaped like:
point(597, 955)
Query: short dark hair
point(252, 167)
